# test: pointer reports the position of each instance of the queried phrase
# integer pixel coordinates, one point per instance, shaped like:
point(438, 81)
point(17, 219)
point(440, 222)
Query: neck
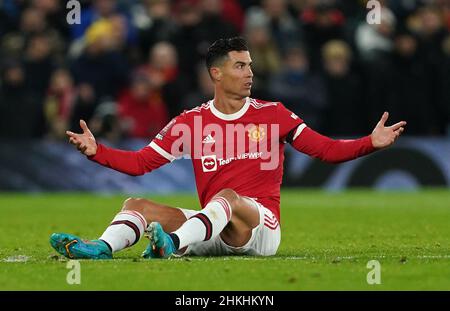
point(228, 104)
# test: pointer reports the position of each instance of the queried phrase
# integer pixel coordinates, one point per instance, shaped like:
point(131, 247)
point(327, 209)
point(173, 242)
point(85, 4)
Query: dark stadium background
point(130, 66)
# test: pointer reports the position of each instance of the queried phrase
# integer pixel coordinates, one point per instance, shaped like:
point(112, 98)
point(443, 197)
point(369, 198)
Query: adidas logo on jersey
point(209, 140)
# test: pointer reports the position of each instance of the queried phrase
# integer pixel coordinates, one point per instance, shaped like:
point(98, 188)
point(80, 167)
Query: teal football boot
point(161, 244)
point(73, 247)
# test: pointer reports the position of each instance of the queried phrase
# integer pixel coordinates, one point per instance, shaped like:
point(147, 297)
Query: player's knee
point(230, 195)
point(134, 204)
point(143, 206)
point(129, 201)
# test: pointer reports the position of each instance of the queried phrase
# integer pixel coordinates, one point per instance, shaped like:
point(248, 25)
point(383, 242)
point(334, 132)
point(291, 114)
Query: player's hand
point(84, 142)
point(384, 136)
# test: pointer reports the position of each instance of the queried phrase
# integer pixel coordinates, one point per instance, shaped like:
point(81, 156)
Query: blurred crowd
point(130, 66)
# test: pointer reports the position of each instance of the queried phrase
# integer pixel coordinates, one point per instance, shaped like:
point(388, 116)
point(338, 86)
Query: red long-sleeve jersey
point(243, 151)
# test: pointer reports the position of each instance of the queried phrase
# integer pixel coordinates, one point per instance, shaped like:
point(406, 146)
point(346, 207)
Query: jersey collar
point(233, 116)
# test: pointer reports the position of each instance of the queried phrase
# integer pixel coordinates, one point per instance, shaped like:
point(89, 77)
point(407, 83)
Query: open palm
point(84, 142)
point(384, 136)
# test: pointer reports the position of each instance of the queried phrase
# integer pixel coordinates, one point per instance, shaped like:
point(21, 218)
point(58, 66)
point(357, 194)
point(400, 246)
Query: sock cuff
point(225, 205)
point(134, 215)
point(138, 233)
point(207, 223)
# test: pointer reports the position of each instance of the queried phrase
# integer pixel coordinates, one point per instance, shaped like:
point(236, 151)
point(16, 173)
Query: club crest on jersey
point(256, 133)
point(209, 163)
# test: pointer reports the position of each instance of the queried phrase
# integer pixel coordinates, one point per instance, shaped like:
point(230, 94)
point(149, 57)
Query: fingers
point(398, 125)
point(71, 134)
point(399, 131)
point(82, 148)
point(84, 126)
point(384, 118)
point(73, 139)
point(397, 134)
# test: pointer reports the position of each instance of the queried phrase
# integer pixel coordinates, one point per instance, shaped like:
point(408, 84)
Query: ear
point(216, 73)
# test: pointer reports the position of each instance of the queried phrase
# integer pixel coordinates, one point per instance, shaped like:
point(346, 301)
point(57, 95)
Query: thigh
point(170, 218)
point(244, 219)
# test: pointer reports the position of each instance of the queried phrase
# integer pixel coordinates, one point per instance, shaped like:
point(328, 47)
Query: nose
point(250, 72)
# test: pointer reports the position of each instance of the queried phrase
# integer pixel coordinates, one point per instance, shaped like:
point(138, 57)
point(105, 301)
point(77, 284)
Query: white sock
point(125, 230)
point(206, 224)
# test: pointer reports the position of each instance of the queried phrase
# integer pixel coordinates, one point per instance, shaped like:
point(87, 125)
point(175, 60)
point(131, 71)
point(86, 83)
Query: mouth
point(248, 85)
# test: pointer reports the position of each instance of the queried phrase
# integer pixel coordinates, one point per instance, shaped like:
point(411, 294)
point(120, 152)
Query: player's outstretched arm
point(340, 150)
point(129, 162)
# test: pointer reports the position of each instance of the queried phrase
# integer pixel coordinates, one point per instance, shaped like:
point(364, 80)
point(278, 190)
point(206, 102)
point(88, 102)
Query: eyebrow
point(242, 63)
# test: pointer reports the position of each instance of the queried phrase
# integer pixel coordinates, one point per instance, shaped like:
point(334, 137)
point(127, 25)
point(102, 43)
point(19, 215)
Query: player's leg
point(228, 214)
point(125, 230)
point(130, 223)
point(171, 218)
point(245, 217)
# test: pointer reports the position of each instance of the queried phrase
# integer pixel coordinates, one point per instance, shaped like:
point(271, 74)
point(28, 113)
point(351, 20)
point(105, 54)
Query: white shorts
point(264, 240)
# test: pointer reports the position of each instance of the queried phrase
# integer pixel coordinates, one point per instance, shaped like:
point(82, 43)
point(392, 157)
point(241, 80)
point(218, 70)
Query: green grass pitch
point(327, 241)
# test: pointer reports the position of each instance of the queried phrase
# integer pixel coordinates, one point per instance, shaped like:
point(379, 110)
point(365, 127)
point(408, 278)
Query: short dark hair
point(220, 49)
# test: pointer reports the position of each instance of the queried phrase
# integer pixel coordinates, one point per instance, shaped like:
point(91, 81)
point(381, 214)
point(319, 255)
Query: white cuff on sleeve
point(162, 152)
point(299, 130)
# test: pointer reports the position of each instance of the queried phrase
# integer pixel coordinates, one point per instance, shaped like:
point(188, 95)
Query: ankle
point(175, 240)
point(107, 244)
